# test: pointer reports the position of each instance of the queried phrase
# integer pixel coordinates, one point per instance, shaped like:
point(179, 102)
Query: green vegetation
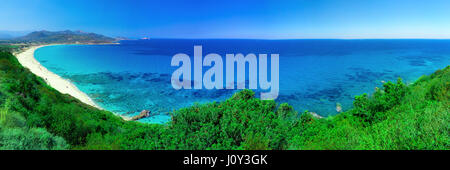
point(8, 47)
point(394, 117)
point(14, 134)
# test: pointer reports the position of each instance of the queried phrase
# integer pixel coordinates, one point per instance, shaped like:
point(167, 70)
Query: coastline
point(27, 60)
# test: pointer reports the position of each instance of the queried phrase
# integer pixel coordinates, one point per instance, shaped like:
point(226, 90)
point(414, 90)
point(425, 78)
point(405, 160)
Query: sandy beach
point(26, 58)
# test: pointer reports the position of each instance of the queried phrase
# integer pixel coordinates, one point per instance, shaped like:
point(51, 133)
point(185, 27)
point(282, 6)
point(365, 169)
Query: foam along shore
point(26, 58)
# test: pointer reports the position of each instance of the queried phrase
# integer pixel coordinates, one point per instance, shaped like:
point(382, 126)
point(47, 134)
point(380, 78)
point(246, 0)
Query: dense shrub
point(15, 135)
point(373, 108)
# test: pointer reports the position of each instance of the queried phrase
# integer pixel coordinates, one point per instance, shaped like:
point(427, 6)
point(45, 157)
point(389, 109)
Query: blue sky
point(234, 19)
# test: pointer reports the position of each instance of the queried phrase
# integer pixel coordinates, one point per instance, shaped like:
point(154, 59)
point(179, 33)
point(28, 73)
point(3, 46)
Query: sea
point(314, 75)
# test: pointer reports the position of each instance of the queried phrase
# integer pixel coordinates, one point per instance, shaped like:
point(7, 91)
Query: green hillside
point(35, 116)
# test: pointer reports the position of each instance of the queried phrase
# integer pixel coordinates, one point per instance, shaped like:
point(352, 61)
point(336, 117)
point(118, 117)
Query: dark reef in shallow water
point(420, 60)
point(364, 75)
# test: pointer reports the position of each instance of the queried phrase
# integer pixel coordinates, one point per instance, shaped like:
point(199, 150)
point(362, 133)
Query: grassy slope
point(398, 117)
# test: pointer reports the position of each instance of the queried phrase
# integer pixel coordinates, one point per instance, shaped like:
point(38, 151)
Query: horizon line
point(191, 38)
point(446, 37)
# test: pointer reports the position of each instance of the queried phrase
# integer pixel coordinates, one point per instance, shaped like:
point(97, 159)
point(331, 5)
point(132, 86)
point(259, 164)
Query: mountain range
point(66, 36)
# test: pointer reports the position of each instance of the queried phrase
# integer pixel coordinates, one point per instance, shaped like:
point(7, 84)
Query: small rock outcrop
point(314, 114)
point(338, 107)
point(143, 114)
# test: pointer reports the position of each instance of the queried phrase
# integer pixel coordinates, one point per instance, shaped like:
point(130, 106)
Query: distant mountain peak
point(66, 36)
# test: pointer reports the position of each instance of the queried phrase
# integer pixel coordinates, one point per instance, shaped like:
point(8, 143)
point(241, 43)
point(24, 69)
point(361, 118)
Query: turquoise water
point(314, 74)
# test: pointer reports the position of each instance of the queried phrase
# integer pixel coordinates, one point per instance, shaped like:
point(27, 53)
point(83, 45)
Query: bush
point(14, 134)
point(371, 109)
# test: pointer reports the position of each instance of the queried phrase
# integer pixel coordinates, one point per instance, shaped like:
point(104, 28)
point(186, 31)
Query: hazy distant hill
point(63, 37)
point(5, 35)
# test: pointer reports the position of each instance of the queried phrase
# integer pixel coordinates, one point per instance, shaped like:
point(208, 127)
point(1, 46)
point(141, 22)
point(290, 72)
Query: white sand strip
point(64, 86)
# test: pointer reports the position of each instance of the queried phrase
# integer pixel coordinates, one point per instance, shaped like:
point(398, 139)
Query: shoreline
point(64, 86)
